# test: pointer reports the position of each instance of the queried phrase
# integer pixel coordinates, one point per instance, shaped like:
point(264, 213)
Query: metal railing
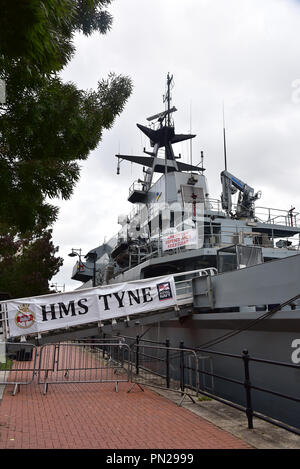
point(228, 237)
point(277, 217)
point(262, 214)
point(145, 362)
point(138, 186)
point(83, 363)
point(185, 370)
point(247, 384)
point(164, 367)
point(184, 288)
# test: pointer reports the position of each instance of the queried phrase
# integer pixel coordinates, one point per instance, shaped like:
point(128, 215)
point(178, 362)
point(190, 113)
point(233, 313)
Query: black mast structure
point(162, 137)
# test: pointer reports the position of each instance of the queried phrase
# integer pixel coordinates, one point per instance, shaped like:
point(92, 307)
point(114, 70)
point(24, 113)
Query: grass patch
point(6, 365)
point(204, 398)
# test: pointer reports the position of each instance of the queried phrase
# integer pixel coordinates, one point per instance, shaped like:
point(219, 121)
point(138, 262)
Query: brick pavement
point(94, 416)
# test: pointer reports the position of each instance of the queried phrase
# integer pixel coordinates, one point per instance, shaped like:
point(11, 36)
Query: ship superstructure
point(175, 226)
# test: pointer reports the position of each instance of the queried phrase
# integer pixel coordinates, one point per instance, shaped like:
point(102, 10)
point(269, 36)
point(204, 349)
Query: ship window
point(237, 257)
point(227, 262)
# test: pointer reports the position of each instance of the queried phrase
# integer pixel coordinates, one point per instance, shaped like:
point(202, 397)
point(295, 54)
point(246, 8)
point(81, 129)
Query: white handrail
point(212, 269)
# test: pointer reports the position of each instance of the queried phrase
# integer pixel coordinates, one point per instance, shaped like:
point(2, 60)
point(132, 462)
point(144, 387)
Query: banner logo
point(164, 291)
point(25, 317)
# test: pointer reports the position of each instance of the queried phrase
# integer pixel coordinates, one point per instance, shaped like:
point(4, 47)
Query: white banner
point(55, 311)
point(179, 239)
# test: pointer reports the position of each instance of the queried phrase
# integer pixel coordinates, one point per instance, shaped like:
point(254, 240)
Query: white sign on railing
point(180, 239)
point(55, 311)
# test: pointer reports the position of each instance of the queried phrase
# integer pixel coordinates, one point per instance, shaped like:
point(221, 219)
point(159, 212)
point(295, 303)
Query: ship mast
point(163, 136)
point(224, 140)
point(167, 98)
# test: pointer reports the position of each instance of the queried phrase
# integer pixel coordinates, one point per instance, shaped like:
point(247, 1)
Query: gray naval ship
point(237, 262)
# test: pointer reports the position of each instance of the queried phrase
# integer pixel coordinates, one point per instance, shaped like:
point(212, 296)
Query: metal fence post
point(167, 363)
point(181, 346)
point(103, 347)
point(247, 384)
point(137, 355)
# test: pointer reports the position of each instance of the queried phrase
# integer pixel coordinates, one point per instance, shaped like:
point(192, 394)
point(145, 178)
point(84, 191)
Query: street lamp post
point(92, 256)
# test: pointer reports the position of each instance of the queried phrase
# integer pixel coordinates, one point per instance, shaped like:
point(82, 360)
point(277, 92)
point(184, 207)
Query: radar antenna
point(167, 99)
point(224, 140)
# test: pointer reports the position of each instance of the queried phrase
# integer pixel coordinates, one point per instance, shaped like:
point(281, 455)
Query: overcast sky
point(244, 53)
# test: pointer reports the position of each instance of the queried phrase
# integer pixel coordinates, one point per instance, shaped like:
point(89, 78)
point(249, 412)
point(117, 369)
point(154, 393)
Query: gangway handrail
point(187, 296)
point(212, 269)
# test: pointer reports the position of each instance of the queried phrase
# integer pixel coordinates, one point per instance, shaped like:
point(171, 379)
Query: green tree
point(47, 126)
point(43, 136)
point(39, 33)
point(27, 263)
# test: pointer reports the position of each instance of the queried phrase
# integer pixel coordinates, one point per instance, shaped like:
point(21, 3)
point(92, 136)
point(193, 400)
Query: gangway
point(105, 309)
